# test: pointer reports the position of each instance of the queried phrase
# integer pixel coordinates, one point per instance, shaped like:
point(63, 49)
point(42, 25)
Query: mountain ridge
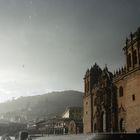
point(45, 105)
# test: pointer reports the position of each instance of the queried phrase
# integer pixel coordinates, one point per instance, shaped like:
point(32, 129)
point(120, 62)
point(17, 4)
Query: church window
point(101, 98)
point(122, 125)
point(121, 91)
point(103, 122)
point(129, 60)
point(87, 86)
point(133, 97)
point(135, 57)
point(95, 127)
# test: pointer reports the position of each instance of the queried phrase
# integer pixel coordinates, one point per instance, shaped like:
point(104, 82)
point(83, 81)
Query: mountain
point(46, 105)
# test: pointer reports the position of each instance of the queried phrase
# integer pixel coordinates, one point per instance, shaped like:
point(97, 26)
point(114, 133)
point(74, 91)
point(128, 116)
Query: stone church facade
point(111, 102)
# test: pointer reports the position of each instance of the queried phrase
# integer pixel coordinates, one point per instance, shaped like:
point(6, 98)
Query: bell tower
point(91, 78)
point(132, 51)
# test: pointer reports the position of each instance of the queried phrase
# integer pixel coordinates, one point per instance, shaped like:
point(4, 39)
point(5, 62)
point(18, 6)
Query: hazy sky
point(47, 45)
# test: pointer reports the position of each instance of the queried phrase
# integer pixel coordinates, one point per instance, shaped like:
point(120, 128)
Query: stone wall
point(87, 114)
point(130, 101)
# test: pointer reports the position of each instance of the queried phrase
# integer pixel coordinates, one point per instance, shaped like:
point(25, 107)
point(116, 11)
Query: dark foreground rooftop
point(116, 136)
point(95, 136)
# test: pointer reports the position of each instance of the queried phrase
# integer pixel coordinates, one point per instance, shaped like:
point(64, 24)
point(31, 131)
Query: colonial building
point(112, 102)
point(75, 113)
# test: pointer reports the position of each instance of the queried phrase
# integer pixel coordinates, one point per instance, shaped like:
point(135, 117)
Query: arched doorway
point(103, 122)
point(121, 125)
point(95, 127)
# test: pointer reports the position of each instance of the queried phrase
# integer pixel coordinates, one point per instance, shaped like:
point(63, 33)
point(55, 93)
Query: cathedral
point(111, 102)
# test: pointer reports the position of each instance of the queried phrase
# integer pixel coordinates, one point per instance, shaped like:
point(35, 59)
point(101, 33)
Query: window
point(133, 97)
point(101, 98)
point(87, 86)
point(86, 112)
point(129, 60)
point(95, 127)
point(121, 91)
point(135, 57)
point(86, 103)
point(121, 125)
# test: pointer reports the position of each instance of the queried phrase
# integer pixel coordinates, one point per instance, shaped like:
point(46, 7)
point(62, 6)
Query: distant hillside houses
point(70, 122)
point(75, 113)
